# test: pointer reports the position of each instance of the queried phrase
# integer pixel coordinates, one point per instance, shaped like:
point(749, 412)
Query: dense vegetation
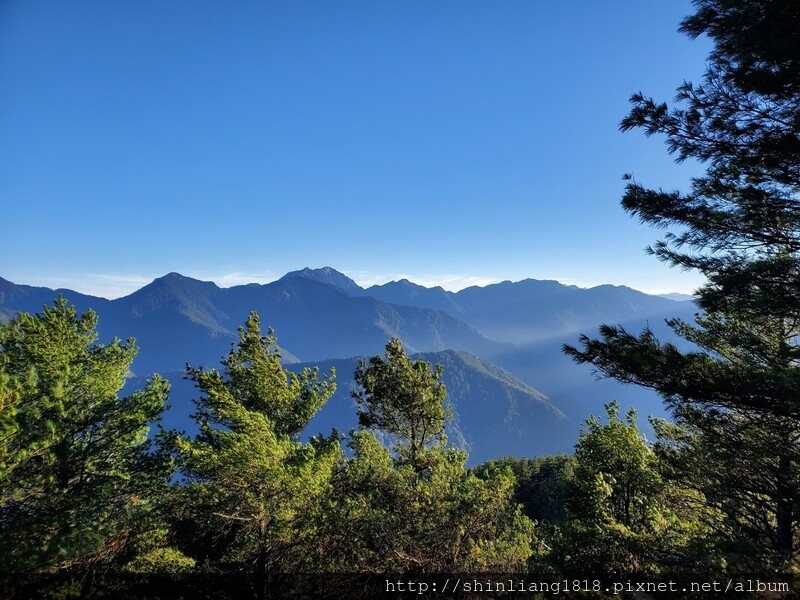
point(84, 488)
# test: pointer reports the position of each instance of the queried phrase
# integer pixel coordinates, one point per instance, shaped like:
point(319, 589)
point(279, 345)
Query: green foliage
point(542, 486)
point(416, 507)
point(251, 486)
point(615, 475)
point(404, 398)
point(10, 453)
point(735, 393)
point(745, 470)
point(77, 475)
point(621, 516)
point(153, 553)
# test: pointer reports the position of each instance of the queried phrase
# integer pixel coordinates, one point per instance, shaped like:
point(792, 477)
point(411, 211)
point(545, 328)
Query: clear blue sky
point(448, 142)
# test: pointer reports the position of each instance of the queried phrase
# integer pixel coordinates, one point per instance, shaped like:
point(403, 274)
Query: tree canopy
point(77, 468)
point(251, 483)
point(416, 507)
point(82, 488)
point(404, 398)
point(738, 225)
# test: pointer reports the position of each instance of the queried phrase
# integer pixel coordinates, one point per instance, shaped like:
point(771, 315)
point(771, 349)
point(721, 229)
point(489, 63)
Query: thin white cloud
point(115, 286)
point(108, 286)
point(93, 284)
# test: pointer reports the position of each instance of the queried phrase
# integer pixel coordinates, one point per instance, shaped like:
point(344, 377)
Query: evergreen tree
point(251, 485)
point(740, 227)
point(78, 479)
point(616, 459)
point(405, 399)
point(621, 517)
point(9, 426)
point(743, 468)
point(416, 507)
point(542, 484)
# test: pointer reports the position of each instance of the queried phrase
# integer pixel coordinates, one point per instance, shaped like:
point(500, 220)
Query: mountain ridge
point(494, 413)
point(506, 328)
point(471, 319)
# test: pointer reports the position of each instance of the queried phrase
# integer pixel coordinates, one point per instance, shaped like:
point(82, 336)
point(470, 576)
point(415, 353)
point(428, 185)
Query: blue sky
point(452, 143)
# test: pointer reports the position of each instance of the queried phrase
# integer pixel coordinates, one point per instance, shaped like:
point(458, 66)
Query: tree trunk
point(261, 561)
point(783, 509)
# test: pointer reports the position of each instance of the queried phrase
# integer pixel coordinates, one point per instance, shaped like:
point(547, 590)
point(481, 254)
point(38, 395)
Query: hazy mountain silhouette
point(529, 310)
point(576, 389)
point(412, 294)
point(330, 276)
point(494, 413)
point(177, 319)
point(14, 297)
point(316, 320)
point(323, 317)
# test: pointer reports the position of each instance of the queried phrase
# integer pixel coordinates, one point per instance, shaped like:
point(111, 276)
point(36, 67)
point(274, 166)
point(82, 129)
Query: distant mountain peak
point(177, 281)
point(611, 286)
point(407, 283)
point(403, 284)
point(173, 279)
point(327, 275)
point(173, 276)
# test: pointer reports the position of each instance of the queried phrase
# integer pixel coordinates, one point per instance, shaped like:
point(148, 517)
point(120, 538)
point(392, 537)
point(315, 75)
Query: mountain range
point(511, 388)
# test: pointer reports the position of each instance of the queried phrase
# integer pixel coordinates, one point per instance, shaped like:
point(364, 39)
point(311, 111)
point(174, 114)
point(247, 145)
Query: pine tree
point(78, 477)
point(251, 485)
point(740, 227)
point(622, 517)
point(416, 507)
point(406, 399)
